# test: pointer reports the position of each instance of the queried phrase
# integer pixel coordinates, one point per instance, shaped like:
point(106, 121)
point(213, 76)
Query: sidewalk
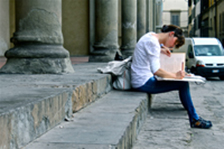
point(167, 125)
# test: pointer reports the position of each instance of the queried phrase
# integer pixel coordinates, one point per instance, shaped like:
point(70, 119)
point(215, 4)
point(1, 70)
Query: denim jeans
point(153, 86)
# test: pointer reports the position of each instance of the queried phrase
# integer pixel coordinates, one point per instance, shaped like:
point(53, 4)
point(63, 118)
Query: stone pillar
point(106, 30)
point(159, 14)
point(158, 10)
point(141, 18)
point(129, 29)
point(38, 40)
point(4, 27)
point(149, 14)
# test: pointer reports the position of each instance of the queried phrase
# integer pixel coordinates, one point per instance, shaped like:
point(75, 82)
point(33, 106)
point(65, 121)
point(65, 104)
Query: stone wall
point(75, 26)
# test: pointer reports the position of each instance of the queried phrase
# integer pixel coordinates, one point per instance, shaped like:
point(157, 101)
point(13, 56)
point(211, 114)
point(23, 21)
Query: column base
point(37, 66)
point(105, 55)
point(37, 51)
point(37, 59)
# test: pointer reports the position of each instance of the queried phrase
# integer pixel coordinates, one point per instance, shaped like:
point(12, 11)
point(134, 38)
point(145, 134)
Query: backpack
point(121, 70)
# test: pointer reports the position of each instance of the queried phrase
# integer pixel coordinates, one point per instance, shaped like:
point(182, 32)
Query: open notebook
point(175, 63)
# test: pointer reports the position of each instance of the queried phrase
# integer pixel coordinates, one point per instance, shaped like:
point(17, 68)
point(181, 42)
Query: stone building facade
point(176, 12)
point(206, 18)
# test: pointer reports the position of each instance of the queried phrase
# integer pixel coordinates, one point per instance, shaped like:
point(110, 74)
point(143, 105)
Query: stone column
point(38, 40)
point(141, 18)
point(4, 27)
point(159, 14)
point(129, 29)
point(106, 30)
point(149, 16)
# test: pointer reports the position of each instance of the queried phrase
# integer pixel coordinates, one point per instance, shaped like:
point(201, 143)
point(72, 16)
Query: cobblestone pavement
point(167, 125)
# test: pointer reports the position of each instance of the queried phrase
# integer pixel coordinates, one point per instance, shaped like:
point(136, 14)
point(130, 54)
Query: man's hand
point(165, 51)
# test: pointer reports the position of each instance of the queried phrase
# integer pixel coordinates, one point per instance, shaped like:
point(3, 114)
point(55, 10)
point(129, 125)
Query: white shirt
point(145, 60)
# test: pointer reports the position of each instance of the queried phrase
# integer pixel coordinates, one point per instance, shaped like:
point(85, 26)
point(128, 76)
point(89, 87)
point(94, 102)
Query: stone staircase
point(79, 110)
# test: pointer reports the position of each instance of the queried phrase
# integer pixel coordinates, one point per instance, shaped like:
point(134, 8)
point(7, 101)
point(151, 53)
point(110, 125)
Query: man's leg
point(153, 86)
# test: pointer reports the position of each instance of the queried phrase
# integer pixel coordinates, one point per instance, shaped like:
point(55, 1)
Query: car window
point(208, 50)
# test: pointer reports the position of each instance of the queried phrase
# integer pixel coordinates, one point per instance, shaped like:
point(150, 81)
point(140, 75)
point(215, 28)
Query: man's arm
point(164, 74)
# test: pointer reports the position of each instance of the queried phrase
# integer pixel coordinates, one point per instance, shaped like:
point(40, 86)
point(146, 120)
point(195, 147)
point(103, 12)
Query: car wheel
point(221, 77)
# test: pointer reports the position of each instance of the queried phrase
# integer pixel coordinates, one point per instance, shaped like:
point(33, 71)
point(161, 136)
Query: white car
point(204, 56)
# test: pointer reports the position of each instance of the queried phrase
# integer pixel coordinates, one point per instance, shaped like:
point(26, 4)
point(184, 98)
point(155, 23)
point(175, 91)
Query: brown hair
point(177, 33)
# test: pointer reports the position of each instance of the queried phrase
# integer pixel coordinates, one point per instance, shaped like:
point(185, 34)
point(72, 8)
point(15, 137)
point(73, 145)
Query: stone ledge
point(30, 105)
point(112, 122)
point(28, 114)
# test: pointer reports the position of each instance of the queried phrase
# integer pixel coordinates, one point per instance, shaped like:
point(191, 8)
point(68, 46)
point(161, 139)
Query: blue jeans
point(153, 86)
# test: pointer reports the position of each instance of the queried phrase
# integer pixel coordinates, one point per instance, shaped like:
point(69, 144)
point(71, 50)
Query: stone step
point(111, 122)
point(31, 105)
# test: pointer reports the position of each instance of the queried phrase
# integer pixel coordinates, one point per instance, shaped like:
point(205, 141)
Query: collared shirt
point(145, 60)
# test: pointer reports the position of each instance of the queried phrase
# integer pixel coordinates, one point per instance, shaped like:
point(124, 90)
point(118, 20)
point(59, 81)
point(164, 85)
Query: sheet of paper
point(173, 63)
point(187, 78)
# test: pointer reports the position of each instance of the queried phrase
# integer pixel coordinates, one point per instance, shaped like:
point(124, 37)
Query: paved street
point(167, 125)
